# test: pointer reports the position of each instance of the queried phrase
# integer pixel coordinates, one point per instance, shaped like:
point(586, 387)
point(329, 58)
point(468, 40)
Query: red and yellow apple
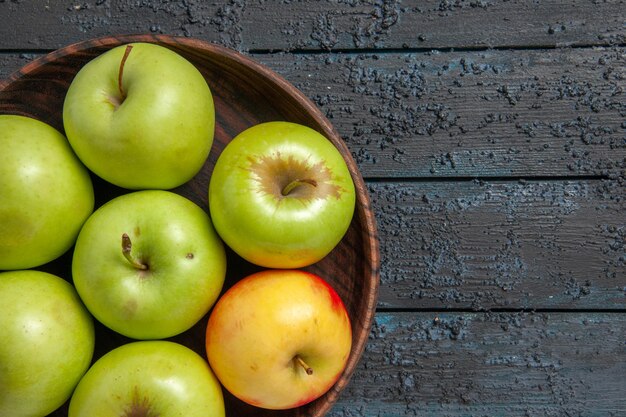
point(279, 339)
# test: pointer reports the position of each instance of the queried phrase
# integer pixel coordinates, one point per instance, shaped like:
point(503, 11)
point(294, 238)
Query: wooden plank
point(513, 364)
point(484, 245)
point(467, 114)
point(12, 62)
point(472, 114)
point(434, 24)
point(315, 25)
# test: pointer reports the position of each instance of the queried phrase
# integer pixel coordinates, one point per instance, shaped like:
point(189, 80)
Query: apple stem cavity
point(303, 364)
point(296, 183)
point(126, 247)
point(121, 72)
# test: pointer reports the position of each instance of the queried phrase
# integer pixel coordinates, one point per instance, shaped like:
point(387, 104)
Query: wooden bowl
point(245, 93)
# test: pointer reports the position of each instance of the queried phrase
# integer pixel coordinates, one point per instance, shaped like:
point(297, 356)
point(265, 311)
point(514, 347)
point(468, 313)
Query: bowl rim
point(363, 209)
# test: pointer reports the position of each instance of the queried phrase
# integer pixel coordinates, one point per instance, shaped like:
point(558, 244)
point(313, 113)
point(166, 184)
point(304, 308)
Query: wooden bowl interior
point(245, 93)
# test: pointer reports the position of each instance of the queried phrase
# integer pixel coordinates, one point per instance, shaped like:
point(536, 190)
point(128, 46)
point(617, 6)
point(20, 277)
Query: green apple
point(279, 339)
point(45, 193)
point(146, 379)
point(46, 342)
point(281, 195)
point(149, 264)
point(140, 116)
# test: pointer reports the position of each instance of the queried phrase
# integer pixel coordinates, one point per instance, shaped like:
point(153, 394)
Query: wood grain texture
point(513, 245)
point(319, 25)
point(487, 364)
point(472, 114)
point(244, 93)
point(466, 114)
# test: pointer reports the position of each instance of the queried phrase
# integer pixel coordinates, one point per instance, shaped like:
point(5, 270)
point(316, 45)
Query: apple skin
point(46, 342)
point(260, 326)
point(174, 238)
point(45, 193)
point(148, 378)
point(258, 222)
point(159, 136)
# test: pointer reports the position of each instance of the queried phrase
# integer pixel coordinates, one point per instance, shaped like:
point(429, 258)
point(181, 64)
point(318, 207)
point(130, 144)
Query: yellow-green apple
point(279, 339)
point(46, 342)
point(148, 379)
point(140, 116)
point(149, 264)
point(281, 195)
point(45, 193)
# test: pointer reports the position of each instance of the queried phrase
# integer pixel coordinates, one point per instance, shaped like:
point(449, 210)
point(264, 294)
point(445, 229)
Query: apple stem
point(126, 246)
point(296, 183)
point(121, 71)
point(303, 364)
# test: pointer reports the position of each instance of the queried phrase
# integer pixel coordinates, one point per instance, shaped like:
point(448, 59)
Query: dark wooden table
point(492, 137)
